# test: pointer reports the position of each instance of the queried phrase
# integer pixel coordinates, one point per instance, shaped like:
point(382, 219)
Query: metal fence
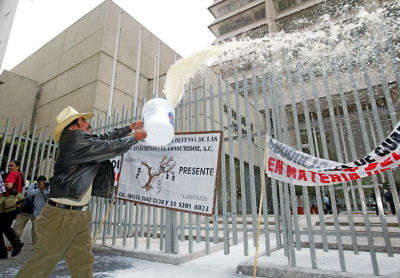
point(338, 113)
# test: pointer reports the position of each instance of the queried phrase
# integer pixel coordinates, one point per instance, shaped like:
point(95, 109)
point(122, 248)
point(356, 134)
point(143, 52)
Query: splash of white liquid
point(329, 39)
point(179, 73)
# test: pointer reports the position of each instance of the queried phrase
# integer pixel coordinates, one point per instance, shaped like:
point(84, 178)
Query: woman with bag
point(10, 202)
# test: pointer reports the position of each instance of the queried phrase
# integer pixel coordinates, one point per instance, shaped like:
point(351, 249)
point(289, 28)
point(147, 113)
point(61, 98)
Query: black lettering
point(381, 151)
point(391, 145)
point(369, 159)
point(396, 137)
point(360, 162)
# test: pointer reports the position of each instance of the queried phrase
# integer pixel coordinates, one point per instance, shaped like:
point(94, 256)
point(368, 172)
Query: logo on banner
point(155, 176)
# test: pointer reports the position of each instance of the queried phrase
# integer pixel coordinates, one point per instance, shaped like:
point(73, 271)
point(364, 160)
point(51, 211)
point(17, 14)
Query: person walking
point(11, 200)
point(389, 199)
point(328, 205)
point(28, 208)
point(82, 169)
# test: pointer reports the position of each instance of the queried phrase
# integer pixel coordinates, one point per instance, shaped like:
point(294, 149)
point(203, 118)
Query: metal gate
point(337, 111)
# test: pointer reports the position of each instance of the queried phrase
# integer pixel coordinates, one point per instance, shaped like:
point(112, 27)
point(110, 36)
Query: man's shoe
point(16, 250)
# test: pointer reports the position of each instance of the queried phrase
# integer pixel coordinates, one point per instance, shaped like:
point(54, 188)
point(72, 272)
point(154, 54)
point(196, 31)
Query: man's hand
point(139, 134)
point(136, 125)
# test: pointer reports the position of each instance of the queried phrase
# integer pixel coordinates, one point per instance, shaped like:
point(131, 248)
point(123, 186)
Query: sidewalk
point(121, 262)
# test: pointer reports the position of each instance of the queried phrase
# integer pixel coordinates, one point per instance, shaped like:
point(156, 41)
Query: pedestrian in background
point(28, 207)
point(389, 199)
point(11, 200)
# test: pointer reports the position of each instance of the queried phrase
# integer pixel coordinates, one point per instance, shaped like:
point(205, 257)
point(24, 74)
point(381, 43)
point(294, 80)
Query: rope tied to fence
point(259, 211)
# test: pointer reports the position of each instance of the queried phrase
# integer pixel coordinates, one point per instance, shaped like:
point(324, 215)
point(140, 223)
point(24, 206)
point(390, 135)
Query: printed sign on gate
point(180, 176)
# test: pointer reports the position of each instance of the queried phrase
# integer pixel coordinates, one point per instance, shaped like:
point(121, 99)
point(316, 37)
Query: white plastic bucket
point(159, 120)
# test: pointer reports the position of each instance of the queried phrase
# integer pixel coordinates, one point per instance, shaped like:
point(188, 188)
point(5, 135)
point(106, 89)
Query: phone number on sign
point(163, 202)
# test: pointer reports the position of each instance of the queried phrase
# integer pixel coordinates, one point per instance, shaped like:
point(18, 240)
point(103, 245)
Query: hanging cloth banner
point(287, 164)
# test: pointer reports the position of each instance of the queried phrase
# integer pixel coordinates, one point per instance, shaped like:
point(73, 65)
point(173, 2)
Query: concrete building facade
point(256, 18)
point(76, 67)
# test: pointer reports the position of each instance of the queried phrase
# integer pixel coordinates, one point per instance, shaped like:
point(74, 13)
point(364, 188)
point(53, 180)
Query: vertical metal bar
point(148, 234)
point(190, 129)
point(196, 127)
point(3, 143)
point(212, 120)
point(232, 170)
point(138, 64)
point(346, 157)
point(181, 214)
point(14, 134)
point(207, 218)
point(24, 151)
point(48, 165)
point(136, 240)
point(21, 132)
point(110, 98)
point(267, 88)
point(241, 171)
point(267, 129)
point(155, 210)
point(162, 231)
point(42, 151)
point(223, 170)
point(36, 156)
point(158, 69)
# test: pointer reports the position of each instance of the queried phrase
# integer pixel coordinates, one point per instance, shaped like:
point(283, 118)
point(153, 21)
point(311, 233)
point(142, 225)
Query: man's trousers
point(6, 220)
point(20, 223)
point(61, 233)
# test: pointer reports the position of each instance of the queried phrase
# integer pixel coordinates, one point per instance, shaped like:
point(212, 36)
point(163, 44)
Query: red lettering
point(291, 171)
point(271, 164)
point(302, 175)
point(344, 177)
point(384, 170)
point(324, 178)
point(396, 156)
point(279, 167)
point(335, 178)
point(371, 166)
point(354, 176)
point(387, 162)
point(312, 175)
point(351, 169)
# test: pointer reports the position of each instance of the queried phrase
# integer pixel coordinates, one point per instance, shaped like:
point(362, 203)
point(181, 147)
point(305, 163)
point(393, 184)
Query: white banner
point(180, 176)
point(286, 164)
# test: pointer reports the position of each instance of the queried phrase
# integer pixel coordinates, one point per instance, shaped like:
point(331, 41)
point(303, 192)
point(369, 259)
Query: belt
point(64, 206)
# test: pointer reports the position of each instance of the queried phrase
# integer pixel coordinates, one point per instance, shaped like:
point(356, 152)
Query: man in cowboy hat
point(82, 169)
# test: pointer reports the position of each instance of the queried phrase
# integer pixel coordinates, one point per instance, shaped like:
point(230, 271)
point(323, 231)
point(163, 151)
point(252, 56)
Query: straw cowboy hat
point(67, 116)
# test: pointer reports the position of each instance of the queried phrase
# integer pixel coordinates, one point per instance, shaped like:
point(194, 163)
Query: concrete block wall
point(75, 68)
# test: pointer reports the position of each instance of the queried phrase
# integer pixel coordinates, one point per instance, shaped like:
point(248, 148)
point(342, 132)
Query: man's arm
point(97, 150)
point(32, 193)
point(121, 132)
point(115, 133)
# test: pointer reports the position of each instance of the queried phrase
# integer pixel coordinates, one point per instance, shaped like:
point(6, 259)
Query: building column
point(271, 12)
